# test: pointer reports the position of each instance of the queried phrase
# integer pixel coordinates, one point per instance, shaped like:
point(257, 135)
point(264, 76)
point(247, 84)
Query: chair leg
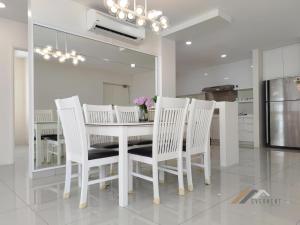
point(79, 175)
point(130, 177)
point(102, 175)
point(68, 179)
point(161, 173)
point(111, 168)
point(58, 153)
point(47, 152)
point(189, 172)
point(180, 176)
point(207, 167)
point(137, 167)
point(156, 199)
point(84, 187)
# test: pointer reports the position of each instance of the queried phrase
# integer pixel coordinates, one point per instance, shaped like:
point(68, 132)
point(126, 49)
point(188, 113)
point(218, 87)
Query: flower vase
point(143, 115)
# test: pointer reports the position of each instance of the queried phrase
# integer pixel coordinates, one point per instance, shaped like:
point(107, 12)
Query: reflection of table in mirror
point(42, 128)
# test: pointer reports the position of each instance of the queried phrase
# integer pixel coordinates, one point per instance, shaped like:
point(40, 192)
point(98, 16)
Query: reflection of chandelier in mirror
point(140, 15)
point(48, 52)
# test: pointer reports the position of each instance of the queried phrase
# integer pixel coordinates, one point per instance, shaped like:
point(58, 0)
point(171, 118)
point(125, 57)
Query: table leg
point(123, 167)
point(38, 147)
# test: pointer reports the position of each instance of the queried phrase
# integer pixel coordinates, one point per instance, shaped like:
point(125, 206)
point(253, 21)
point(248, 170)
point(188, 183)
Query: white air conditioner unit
point(98, 21)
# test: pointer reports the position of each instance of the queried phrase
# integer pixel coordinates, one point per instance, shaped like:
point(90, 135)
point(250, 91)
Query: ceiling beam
point(212, 14)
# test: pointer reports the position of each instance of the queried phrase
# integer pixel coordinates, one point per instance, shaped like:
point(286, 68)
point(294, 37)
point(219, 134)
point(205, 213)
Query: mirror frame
point(55, 169)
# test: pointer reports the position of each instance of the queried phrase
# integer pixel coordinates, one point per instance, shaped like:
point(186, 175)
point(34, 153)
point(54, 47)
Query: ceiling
point(15, 10)
point(261, 24)
point(98, 55)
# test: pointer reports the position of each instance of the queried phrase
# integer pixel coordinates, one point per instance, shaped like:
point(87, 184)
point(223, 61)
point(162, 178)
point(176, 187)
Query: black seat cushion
point(101, 153)
point(111, 145)
point(143, 151)
point(141, 142)
point(108, 145)
point(53, 137)
point(49, 136)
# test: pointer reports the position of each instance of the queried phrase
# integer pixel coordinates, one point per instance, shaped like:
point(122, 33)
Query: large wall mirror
point(101, 74)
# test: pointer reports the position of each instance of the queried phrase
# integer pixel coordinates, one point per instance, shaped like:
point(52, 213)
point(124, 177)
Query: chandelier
point(49, 52)
point(139, 14)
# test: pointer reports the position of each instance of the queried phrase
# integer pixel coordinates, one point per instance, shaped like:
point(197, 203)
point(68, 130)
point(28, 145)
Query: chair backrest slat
point(127, 114)
point(169, 125)
point(199, 122)
point(44, 115)
point(99, 114)
point(71, 117)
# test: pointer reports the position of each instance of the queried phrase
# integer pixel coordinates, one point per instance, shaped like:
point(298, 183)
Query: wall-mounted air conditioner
point(101, 22)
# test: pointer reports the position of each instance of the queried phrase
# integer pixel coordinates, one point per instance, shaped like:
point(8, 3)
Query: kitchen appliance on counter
point(282, 113)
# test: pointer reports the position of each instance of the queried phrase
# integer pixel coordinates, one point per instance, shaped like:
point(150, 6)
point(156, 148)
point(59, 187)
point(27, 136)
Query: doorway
point(20, 101)
point(116, 94)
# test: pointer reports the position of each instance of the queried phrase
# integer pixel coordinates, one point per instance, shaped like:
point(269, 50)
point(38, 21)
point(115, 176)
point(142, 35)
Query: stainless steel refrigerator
point(282, 113)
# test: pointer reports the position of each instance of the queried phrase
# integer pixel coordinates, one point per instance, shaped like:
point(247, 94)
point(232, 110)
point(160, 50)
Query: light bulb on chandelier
point(139, 10)
point(114, 9)
point(140, 22)
point(130, 16)
point(121, 15)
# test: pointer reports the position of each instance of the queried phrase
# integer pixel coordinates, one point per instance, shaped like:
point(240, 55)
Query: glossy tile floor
point(39, 202)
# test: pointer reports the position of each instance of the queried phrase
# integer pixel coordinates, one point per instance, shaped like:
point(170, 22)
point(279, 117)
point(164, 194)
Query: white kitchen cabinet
point(291, 60)
point(273, 64)
point(246, 128)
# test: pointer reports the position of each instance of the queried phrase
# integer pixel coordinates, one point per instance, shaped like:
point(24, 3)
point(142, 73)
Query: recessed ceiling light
point(223, 56)
point(252, 66)
point(132, 65)
point(188, 42)
point(226, 78)
point(205, 74)
point(2, 5)
point(106, 60)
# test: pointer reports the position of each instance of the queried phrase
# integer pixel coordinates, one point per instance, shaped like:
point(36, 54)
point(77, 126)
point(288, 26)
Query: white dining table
point(123, 131)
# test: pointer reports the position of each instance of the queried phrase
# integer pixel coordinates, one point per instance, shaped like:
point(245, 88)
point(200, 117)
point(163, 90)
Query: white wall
point(192, 82)
point(142, 85)
point(20, 106)
point(167, 68)
point(13, 35)
point(56, 80)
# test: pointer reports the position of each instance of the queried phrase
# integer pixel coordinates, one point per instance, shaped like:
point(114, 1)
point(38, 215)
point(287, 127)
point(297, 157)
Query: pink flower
point(143, 101)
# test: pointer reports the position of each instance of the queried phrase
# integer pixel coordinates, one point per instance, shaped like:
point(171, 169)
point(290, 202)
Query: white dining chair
point(46, 131)
point(55, 144)
point(43, 115)
point(77, 149)
point(130, 114)
point(198, 138)
point(168, 132)
point(99, 114)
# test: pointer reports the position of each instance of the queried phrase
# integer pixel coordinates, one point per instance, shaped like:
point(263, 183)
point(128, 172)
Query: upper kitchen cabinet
point(291, 59)
point(281, 62)
point(273, 64)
